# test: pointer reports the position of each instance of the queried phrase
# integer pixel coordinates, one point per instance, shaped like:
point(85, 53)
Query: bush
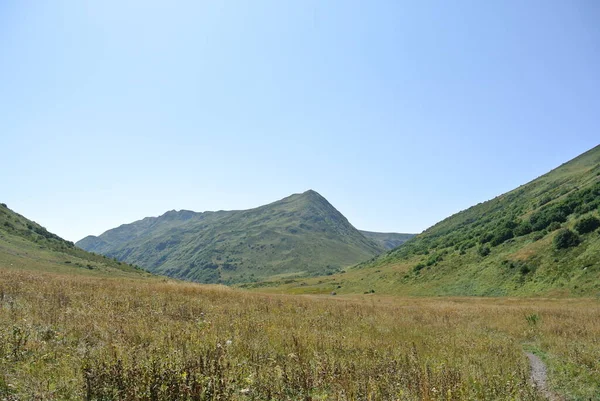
point(4, 205)
point(523, 229)
point(483, 251)
point(487, 237)
point(555, 225)
point(587, 225)
point(524, 269)
point(545, 217)
point(545, 199)
point(433, 259)
point(566, 239)
point(501, 236)
point(418, 267)
point(538, 236)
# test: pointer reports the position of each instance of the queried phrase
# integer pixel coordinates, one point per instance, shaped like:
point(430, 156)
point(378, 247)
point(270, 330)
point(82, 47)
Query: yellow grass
point(76, 337)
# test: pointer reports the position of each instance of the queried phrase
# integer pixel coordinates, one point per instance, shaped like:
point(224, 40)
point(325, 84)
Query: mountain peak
point(302, 234)
point(309, 194)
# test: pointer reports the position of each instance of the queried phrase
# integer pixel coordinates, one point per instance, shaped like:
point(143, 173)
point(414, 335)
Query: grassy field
point(65, 336)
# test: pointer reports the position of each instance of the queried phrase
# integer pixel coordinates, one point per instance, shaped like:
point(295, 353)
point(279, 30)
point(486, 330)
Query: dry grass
point(76, 337)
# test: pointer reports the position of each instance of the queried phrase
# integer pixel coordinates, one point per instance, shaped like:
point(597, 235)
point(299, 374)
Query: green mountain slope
point(541, 238)
point(24, 244)
point(299, 235)
point(387, 240)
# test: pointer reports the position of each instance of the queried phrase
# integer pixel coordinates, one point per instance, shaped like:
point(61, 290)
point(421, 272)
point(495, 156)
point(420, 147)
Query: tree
point(566, 239)
point(587, 225)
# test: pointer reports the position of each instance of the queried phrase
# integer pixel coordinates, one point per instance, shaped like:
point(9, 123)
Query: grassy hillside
point(541, 238)
point(387, 240)
point(26, 244)
point(300, 235)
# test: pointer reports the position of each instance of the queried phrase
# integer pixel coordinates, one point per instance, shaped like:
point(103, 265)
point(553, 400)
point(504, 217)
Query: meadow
point(68, 337)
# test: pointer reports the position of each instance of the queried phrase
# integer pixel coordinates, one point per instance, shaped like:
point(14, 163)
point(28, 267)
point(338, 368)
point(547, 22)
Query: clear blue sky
point(399, 113)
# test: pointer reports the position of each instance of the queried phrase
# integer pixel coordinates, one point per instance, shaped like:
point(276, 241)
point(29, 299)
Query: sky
point(399, 113)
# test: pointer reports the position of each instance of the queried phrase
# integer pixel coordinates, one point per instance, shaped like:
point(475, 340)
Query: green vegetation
point(73, 337)
point(387, 240)
point(300, 235)
point(75, 325)
point(587, 224)
point(26, 244)
point(566, 239)
point(524, 242)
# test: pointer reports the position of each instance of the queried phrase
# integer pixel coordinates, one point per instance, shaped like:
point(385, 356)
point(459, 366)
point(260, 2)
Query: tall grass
point(75, 337)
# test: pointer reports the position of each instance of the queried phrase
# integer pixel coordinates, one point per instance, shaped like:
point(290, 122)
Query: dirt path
point(539, 377)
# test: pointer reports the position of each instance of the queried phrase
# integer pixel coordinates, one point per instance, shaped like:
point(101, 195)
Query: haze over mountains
point(302, 234)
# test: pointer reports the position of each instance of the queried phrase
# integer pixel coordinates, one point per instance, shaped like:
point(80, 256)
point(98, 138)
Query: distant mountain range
point(300, 235)
point(541, 238)
point(387, 240)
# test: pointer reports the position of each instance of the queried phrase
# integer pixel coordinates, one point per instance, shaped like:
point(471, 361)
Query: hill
point(24, 244)
point(387, 240)
point(541, 238)
point(302, 234)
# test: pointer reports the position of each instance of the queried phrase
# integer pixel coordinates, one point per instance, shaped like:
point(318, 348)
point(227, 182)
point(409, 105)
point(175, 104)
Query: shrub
point(555, 225)
point(566, 239)
point(545, 199)
point(587, 225)
point(523, 229)
point(487, 237)
point(538, 236)
point(483, 251)
point(433, 259)
point(501, 236)
point(4, 205)
point(545, 217)
point(418, 267)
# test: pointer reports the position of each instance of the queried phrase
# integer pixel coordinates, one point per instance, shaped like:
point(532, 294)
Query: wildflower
point(228, 342)
point(245, 391)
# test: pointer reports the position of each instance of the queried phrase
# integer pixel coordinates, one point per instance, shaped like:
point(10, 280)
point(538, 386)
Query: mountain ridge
point(388, 240)
point(299, 234)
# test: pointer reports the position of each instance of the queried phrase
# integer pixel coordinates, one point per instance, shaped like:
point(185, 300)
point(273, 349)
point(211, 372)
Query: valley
point(479, 306)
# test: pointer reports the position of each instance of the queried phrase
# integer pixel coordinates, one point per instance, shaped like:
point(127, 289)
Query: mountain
point(302, 234)
point(541, 238)
point(27, 245)
point(387, 240)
